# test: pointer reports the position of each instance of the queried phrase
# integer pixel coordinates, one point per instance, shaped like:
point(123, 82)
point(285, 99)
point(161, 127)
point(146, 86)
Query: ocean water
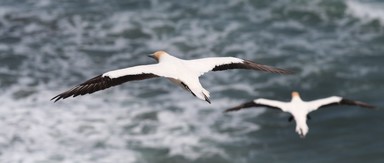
point(336, 47)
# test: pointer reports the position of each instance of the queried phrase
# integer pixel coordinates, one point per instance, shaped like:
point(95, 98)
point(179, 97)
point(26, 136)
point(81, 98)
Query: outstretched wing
point(110, 79)
point(225, 63)
point(272, 104)
point(336, 100)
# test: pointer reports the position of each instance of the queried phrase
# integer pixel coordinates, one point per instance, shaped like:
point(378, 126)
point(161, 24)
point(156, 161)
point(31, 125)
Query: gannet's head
point(295, 94)
point(158, 54)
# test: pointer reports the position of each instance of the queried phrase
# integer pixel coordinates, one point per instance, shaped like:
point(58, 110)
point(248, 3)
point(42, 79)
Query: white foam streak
point(366, 11)
point(34, 129)
point(187, 131)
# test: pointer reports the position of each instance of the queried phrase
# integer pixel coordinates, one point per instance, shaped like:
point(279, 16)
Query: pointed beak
point(151, 55)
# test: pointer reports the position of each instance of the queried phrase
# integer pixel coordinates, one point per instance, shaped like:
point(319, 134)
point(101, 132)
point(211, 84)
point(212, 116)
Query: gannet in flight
point(299, 109)
point(185, 73)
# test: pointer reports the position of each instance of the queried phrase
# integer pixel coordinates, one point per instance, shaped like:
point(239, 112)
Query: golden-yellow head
point(158, 54)
point(295, 94)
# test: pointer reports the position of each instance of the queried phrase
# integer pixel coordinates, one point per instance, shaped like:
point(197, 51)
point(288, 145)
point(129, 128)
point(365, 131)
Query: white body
point(179, 71)
point(299, 109)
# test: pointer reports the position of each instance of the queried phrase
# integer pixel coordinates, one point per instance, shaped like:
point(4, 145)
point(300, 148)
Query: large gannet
point(300, 109)
point(185, 73)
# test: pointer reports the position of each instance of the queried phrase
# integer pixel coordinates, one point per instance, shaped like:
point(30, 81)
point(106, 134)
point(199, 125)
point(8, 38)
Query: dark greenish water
point(46, 46)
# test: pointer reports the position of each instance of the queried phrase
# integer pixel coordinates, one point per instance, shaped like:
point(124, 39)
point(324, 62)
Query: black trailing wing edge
point(248, 105)
point(100, 83)
point(357, 103)
point(251, 65)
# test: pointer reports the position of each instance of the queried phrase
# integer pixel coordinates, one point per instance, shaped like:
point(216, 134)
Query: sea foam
point(366, 11)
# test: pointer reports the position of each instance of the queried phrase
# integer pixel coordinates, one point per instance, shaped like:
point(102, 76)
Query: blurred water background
point(47, 46)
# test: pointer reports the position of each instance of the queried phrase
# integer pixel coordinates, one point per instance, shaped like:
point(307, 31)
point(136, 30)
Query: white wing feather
point(204, 65)
point(272, 103)
point(155, 69)
point(325, 101)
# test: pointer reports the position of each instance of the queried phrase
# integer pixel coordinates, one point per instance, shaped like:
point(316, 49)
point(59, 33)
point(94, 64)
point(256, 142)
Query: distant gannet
point(299, 109)
point(185, 73)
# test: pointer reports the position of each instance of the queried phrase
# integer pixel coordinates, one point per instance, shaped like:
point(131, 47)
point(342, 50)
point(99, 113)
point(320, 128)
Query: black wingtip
point(207, 99)
point(240, 107)
point(232, 109)
point(266, 68)
point(289, 72)
point(228, 110)
point(56, 98)
point(357, 103)
point(285, 72)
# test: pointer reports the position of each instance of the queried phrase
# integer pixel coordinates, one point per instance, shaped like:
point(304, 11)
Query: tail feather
point(197, 90)
point(207, 98)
